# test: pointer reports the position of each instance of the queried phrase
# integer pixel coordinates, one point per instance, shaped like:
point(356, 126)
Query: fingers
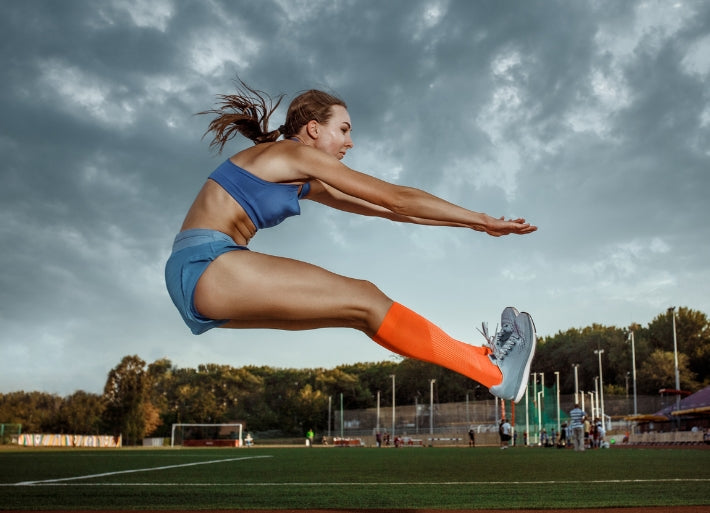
point(516, 226)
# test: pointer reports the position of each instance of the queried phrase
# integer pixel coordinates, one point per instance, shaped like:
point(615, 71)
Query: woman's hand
point(499, 227)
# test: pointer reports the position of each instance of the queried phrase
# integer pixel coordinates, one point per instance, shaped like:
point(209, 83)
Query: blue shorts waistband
point(198, 236)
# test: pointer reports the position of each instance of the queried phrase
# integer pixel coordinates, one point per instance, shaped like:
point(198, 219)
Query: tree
point(658, 371)
point(692, 339)
point(576, 346)
point(127, 395)
point(81, 414)
point(313, 408)
point(36, 411)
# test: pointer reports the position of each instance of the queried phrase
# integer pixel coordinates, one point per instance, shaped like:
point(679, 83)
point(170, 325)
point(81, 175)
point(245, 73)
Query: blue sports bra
point(266, 203)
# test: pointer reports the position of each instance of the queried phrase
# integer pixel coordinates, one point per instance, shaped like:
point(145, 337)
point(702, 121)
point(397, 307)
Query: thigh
point(254, 290)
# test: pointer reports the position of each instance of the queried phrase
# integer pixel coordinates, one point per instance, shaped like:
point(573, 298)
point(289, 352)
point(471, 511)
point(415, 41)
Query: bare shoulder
point(294, 162)
point(274, 162)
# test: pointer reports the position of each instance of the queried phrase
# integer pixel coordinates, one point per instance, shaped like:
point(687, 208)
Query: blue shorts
point(193, 251)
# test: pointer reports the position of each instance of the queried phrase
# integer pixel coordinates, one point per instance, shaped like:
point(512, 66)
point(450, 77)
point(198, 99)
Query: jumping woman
point(216, 281)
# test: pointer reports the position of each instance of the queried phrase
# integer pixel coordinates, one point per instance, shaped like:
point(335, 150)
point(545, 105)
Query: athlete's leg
point(254, 290)
point(261, 291)
point(426, 341)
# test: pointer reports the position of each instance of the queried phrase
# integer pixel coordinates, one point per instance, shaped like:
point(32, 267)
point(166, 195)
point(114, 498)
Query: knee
point(372, 306)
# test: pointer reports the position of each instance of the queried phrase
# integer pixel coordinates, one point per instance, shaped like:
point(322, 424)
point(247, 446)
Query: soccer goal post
point(206, 435)
point(8, 431)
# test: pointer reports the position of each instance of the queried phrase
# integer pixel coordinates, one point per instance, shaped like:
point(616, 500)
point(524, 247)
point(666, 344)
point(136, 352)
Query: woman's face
point(333, 137)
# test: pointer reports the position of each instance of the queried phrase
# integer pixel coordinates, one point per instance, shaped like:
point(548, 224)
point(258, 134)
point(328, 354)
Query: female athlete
point(216, 281)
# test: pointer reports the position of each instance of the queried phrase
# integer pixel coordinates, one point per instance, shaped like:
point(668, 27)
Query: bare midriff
point(215, 209)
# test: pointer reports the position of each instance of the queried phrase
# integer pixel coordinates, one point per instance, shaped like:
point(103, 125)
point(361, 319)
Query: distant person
point(471, 437)
point(216, 281)
point(594, 434)
point(309, 438)
point(563, 436)
point(600, 433)
point(576, 426)
point(505, 434)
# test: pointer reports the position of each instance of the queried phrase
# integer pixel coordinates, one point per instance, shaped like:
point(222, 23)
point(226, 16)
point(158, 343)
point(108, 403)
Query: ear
point(312, 128)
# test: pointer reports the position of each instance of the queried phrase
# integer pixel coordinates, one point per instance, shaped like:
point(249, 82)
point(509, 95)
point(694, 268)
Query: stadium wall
point(42, 440)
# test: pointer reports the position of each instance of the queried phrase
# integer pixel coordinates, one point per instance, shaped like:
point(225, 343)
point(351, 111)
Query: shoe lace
point(499, 347)
point(504, 347)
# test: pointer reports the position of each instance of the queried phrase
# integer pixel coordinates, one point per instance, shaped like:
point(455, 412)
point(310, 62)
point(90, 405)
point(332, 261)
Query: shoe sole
point(526, 372)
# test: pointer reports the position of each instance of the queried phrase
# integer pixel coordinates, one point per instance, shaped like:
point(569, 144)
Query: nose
point(349, 142)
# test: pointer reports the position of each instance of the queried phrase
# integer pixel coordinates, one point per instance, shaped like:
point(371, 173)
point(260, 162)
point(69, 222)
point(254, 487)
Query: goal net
point(8, 432)
point(206, 435)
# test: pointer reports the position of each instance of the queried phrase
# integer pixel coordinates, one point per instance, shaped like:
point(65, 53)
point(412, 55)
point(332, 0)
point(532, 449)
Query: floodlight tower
point(392, 434)
point(431, 407)
point(599, 352)
point(671, 310)
point(633, 369)
point(557, 377)
point(576, 383)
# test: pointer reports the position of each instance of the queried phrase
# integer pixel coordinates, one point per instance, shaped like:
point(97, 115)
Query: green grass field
point(301, 478)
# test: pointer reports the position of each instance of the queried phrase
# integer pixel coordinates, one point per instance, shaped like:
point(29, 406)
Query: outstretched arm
point(340, 187)
point(327, 195)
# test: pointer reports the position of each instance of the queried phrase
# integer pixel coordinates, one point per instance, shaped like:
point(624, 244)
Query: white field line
point(105, 474)
point(55, 482)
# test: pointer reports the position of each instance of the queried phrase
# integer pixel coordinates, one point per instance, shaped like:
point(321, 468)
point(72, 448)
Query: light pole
point(536, 404)
point(377, 429)
point(330, 405)
point(591, 402)
point(576, 383)
point(541, 406)
point(601, 383)
point(633, 369)
point(539, 416)
point(392, 434)
point(671, 310)
point(431, 407)
point(557, 377)
point(527, 419)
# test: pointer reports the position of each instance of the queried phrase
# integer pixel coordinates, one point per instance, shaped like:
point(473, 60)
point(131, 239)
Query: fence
point(453, 420)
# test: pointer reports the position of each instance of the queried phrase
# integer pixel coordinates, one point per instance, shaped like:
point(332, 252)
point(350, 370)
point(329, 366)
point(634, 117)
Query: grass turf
point(300, 478)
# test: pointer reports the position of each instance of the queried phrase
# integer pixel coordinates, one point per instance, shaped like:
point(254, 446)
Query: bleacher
point(672, 438)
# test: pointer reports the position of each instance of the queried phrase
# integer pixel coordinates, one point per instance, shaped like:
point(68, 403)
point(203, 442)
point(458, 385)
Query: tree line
point(142, 399)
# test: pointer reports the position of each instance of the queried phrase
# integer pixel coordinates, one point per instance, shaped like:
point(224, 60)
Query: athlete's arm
point(407, 204)
point(326, 195)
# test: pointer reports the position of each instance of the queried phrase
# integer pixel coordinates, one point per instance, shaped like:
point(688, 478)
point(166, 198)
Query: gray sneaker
point(513, 349)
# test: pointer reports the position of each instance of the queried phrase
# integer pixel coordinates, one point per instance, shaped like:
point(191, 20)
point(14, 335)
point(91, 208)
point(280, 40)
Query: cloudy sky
point(590, 119)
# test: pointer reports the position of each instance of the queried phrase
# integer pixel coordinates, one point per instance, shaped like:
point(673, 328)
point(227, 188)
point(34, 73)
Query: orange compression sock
point(409, 334)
